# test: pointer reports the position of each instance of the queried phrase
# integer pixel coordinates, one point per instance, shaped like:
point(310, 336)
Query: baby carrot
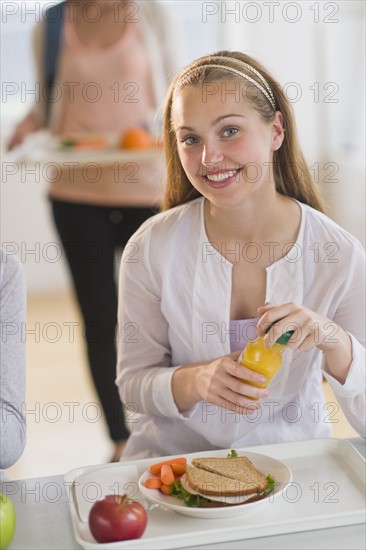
point(167, 474)
point(166, 489)
point(155, 469)
point(178, 469)
point(91, 143)
point(153, 483)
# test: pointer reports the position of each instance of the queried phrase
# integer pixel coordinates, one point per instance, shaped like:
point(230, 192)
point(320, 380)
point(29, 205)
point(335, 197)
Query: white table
point(43, 521)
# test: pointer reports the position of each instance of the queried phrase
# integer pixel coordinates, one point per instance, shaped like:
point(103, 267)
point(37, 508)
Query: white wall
point(27, 229)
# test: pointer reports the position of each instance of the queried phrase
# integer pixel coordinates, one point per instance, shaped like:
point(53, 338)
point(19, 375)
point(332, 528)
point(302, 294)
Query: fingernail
point(262, 380)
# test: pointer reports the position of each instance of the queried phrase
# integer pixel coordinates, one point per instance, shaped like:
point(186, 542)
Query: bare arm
point(28, 125)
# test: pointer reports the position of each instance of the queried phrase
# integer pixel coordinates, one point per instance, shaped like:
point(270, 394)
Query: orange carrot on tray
point(166, 489)
point(153, 483)
point(155, 469)
point(178, 469)
point(86, 145)
point(167, 474)
point(84, 142)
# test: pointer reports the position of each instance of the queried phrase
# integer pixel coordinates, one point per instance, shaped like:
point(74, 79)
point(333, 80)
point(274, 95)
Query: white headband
point(266, 90)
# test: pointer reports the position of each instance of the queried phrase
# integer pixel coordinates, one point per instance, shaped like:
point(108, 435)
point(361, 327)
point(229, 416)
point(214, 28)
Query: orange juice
point(265, 361)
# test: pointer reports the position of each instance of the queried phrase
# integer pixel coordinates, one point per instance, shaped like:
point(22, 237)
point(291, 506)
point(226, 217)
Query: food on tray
point(136, 138)
point(155, 469)
point(84, 142)
point(228, 481)
point(167, 472)
point(232, 476)
point(212, 481)
point(116, 518)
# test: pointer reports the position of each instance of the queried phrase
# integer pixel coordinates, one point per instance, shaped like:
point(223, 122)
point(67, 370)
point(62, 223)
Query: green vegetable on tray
point(232, 454)
point(68, 143)
point(194, 501)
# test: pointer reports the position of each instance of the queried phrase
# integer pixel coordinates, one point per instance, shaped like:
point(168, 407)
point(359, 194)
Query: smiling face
point(225, 147)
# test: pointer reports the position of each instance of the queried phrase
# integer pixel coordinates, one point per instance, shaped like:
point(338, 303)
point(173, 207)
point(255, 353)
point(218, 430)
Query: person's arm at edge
point(349, 388)
point(12, 361)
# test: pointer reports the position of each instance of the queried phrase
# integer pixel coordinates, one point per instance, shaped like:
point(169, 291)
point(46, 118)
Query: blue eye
point(190, 140)
point(230, 132)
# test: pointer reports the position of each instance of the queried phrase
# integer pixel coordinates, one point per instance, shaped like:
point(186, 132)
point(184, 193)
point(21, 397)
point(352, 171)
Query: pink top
point(106, 90)
point(241, 332)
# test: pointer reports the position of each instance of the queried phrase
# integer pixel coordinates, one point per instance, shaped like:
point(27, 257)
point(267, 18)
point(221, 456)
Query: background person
point(237, 178)
point(127, 51)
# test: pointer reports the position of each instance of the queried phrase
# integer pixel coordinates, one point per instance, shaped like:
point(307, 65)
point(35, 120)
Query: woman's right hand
point(219, 382)
point(27, 126)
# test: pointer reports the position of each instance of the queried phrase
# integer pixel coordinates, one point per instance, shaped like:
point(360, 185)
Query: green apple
point(7, 521)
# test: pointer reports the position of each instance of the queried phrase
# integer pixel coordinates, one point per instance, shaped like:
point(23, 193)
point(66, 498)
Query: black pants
point(91, 236)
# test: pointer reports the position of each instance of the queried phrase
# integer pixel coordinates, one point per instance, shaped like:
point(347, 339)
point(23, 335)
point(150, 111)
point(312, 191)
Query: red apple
point(116, 517)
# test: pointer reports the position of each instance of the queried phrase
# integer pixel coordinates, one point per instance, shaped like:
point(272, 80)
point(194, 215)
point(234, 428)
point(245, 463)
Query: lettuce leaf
point(178, 491)
point(232, 454)
point(270, 484)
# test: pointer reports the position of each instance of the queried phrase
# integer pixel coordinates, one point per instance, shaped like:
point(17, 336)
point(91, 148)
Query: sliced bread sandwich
point(248, 479)
point(233, 480)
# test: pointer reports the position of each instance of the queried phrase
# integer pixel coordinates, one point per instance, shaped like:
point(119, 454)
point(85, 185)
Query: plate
point(265, 464)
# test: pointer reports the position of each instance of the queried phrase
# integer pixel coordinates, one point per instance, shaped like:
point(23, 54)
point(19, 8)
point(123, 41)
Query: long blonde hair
point(291, 173)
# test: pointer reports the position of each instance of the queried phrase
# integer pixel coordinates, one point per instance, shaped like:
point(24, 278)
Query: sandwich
point(222, 482)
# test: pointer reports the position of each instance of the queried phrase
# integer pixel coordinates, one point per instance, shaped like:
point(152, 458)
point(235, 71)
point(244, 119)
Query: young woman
point(243, 243)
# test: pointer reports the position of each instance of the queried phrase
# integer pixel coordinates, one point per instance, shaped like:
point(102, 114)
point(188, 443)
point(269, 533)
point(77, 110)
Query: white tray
point(41, 147)
point(327, 490)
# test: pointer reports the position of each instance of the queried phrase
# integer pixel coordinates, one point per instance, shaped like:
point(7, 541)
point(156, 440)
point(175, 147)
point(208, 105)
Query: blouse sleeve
point(350, 315)
point(144, 369)
point(12, 361)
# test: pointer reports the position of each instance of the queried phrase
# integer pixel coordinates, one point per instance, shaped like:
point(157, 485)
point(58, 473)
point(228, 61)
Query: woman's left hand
point(311, 330)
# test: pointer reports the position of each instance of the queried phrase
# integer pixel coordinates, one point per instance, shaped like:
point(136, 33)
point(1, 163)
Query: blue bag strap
point(54, 18)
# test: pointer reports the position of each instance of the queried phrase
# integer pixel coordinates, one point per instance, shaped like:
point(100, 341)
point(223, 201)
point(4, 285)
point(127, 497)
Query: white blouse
point(174, 309)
